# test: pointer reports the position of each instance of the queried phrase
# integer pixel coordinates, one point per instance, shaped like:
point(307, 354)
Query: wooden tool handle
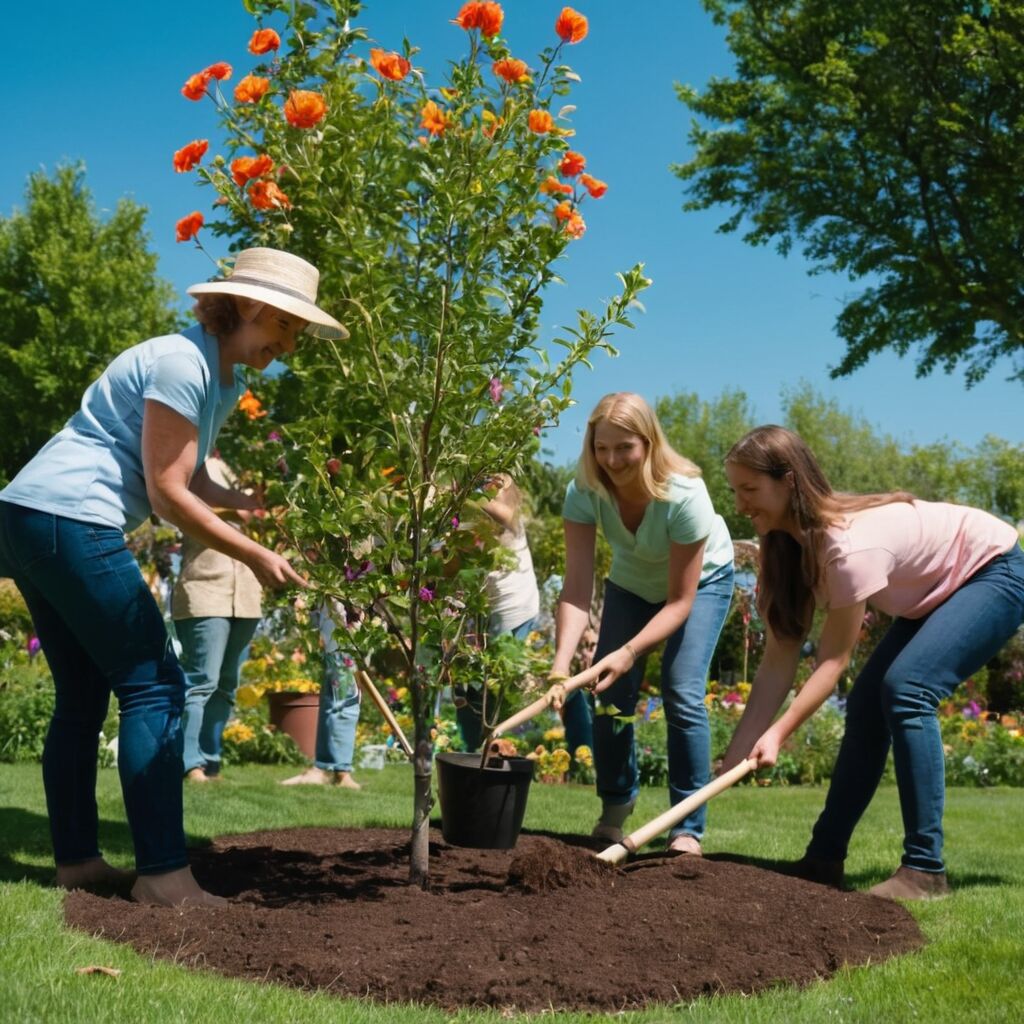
point(531, 710)
point(382, 705)
point(620, 851)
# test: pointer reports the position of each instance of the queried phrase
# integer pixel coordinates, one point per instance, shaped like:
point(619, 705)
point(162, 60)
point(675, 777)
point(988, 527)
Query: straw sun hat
point(281, 280)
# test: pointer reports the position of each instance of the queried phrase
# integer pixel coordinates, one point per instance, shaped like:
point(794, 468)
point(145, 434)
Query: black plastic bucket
point(482, 807)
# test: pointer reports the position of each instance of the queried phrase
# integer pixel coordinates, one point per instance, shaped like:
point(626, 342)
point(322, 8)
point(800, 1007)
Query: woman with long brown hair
point(952, 577)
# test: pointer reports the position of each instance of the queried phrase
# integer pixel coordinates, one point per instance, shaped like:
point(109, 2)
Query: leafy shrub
point(26, 705)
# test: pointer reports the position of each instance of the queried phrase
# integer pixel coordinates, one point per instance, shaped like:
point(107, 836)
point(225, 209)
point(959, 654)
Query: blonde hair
point(630, 412)
point(790, 571)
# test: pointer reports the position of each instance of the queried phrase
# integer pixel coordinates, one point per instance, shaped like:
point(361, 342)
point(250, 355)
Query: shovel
point(532, 710)
point(617, 853)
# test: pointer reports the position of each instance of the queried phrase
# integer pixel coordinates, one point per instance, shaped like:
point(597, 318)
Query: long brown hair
point(630, 412)
point(791, 571)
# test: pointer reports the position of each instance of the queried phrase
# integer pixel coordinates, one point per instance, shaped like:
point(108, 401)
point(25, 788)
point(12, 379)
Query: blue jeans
point(918, 663)
point(338, 716)
point(684, 676)
point(101, 631)
point(212, 652)
point(469, 715)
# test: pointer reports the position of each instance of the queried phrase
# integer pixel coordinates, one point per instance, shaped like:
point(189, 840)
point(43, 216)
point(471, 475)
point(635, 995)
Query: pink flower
point(33, 645)
point(455, 522)
point(496, 388)
point(426, 593)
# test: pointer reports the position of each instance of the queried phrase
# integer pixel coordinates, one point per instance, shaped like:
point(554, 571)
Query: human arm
point(169, 450)
point(685, 563)
point(572, 615)
point(204, 487)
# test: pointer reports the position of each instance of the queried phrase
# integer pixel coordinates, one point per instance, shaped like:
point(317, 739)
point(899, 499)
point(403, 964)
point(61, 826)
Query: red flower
point(433, 118)
point(389, 65)
point(510, 69)
point(251, 89)
point(485, 16)
point(188, 156)
point(540, 122)
point(195, 87)
point(571, 26)
point(594, 186)
point(265, 195)
point(188, 227)
point(251, 406)
point(221, 71)
point(574, 226)
point(564, 210)
point(571, 165)
point(246, 168)
point(304, 109)
point(551, 186)
point(264, 40)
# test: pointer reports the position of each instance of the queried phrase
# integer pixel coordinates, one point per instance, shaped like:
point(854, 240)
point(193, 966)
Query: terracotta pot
point(296, 714)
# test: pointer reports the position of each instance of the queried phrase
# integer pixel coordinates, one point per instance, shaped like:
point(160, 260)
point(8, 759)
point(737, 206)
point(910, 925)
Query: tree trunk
point(423, 801)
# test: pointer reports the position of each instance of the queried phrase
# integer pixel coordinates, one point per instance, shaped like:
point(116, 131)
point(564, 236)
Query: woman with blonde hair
point(952, 577)
point(670, 582)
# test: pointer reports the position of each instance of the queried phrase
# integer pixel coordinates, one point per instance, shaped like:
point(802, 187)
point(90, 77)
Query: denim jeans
point(212, 652)
point(684, 676)
point(469, 715)
point(338, 716)
point(101, 631)
point(893, 702)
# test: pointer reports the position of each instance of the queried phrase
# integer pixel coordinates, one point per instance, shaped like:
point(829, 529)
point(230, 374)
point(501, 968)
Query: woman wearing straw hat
point(138, 445)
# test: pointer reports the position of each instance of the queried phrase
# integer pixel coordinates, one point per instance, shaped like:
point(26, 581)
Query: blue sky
point(101, 83)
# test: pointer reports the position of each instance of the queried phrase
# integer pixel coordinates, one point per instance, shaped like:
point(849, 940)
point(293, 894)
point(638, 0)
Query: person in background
point(138, 445)
point(953, 578)
point(670, 582)
point(216, 608)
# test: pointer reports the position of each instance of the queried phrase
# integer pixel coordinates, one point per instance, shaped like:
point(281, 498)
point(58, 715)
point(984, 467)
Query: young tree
point(436, 217)
point(74, 291)
point(884, 137)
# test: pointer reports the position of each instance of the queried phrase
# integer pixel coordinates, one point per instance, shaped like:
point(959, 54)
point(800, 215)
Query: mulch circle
point(537, 928)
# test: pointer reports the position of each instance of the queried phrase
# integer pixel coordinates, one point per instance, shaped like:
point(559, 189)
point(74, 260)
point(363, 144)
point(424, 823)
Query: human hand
point(557, 691)
point(274, 570)
point(611, 667)
point(766, 750)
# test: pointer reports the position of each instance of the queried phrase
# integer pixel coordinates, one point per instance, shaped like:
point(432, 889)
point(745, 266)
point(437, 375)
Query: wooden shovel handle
point(534, 709)
point(620, 851)
point(382, 705)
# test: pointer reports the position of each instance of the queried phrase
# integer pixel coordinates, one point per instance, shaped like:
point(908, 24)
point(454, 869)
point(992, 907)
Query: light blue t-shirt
point(640, 561)
point(92, 470)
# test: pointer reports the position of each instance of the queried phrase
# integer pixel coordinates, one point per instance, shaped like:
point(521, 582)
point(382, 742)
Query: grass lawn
point(971, 969)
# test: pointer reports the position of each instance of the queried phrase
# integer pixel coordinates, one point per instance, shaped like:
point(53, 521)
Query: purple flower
point(34, 646)
point(973, 710)
point(426, 593)
point(354, 574)
point(273, 436)
point(455, 522)
point(496, 388)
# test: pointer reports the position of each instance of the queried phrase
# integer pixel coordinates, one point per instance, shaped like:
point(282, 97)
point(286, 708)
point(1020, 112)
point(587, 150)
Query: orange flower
point(511, 70)
point(551, 186)
point(540, 121)
point(594, 186)
point(188, 227)
point(389, 64)
point(491, 124)
point(221, 71)
point(571, 26)
point(433, 118)
point(304, 109)
point(564, 210)
point(265, 195)
point(574, 226)
point(251, 89)
point(195, 87)
point(264, 40)
point(246, 168)
point(251, 406)
point(485, 16)
point(571, 165)
point(188, 156)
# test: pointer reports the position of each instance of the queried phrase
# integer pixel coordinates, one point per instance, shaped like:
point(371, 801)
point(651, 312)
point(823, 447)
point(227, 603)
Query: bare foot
point(95, 875)
point(310, 777)
point(345, 780)
point(685, 844)
point(196, 775)
point(174, 889)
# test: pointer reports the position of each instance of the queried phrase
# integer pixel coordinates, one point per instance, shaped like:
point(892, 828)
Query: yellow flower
point(557, 733)
point(238, 732)
point(584, 756)
point(249, 696)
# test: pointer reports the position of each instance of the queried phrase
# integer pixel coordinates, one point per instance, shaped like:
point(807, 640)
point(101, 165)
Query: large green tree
point(75, 290)
point(885, 137)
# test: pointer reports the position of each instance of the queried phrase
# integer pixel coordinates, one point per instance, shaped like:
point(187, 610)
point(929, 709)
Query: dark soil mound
point(330, 908)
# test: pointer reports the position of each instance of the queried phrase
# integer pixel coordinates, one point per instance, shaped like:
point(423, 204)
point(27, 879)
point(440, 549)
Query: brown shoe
point(818, 869)
point(911, 884)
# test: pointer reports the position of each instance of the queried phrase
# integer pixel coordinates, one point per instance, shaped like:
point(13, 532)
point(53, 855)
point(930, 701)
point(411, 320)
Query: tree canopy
point(885, 137)
point(74, 291)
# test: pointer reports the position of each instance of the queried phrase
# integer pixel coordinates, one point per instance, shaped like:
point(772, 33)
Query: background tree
point(74, 291)
point(885, 138)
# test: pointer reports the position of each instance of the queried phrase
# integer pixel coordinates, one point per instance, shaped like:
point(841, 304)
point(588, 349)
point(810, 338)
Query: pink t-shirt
point(906, 558)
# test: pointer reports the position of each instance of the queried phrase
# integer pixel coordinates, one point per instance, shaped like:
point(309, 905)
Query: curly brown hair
point(217, 313)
